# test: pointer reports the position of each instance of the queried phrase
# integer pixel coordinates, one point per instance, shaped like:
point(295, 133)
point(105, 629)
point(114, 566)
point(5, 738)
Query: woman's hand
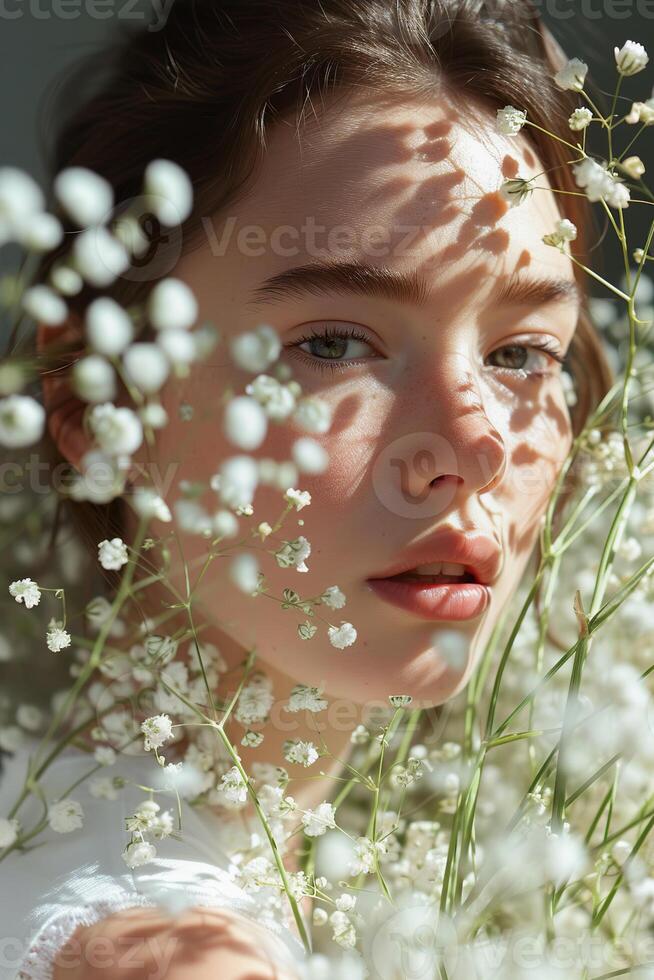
point(149, 944)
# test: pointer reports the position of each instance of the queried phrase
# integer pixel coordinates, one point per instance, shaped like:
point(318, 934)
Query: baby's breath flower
point(153, 415)
point(300, 753)
point(565, 231)
point(138, 853)
point(634, 167)
point(309, 455)
point(294, 553)
point(20, 197)
point(316, 822)
point(360, 735)
point(254, 703)
point(245, 423)
point(346, 902)
point(631, 58)
point(264, 530)
point(40, 232)
point(255, 350)
point(118, 431)
point(300, 498)
point(572, 76)
point(342, 636)
point(99, 257)
point(510, 120)
point(109, 328)
point(319, 917)
point(144, 816)
point(276, 400)
point(400, 700)
point(112, 554)
point(105, 755)
point(244, 572)
point(9, 830)
point(364, 860)
point(169, 191)
point(102, 788)
point(146, 366)
point(29, 716)
point(148, 504)
point(27, 591)
point(580, 119)
point(94, 379)
point(65, 280)
point(599, 183)
point(233, 787)
point(516, 190)
point(641, 112)
point(65, 815)
point(252, 739)
point(333, 597)
point(22, 421)
point(305, 698)
point(306, 630)
point(11, 738)
point(239, 476)
point(57, 639)
point(157, 730)
point(172, 305)
point(343, 931)
point(85, 196)
point(44, 305)
point(314, 415)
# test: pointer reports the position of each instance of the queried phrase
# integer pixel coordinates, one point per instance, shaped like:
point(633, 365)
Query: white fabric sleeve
point(61, 881)
point(86, 898)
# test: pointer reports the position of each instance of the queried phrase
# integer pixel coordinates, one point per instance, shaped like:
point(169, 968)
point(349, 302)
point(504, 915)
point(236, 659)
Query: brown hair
point(204, 89)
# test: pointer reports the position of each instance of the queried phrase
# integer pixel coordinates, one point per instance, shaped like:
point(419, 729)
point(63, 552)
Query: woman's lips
point(466, 600)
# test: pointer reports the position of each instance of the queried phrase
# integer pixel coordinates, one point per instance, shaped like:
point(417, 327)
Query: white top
point(63, 880)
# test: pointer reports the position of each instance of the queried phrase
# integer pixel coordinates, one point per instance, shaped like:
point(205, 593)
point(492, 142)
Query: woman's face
point(427, 389)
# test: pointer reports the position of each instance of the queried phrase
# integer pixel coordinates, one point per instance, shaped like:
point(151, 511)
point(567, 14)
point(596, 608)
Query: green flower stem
point(639, 132)
point(600, 279)
point(218, 727)
point(34, 768)
point(605, 903)
point(271, 839)
point(569, 717)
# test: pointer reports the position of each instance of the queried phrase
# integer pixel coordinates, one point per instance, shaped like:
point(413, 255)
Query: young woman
point(346, 166)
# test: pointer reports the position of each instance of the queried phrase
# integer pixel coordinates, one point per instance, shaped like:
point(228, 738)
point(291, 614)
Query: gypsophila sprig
point(26, 591)
point(112, 554)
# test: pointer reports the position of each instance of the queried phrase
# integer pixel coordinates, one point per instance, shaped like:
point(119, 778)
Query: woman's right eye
point(334, 348)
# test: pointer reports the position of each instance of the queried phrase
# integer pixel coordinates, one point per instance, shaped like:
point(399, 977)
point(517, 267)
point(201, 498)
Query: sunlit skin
point(428, 384)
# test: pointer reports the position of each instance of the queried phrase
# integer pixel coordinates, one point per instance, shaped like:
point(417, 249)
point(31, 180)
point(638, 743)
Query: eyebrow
point(318, 279)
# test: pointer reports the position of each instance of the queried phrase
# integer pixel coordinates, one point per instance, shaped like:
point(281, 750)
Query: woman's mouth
point(438, 591)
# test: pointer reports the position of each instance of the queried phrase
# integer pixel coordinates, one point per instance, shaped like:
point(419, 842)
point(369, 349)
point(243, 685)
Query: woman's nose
point(457, 443)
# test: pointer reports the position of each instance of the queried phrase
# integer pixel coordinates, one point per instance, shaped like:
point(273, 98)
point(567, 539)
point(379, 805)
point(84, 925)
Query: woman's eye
point(516, 358)
point(334, 348)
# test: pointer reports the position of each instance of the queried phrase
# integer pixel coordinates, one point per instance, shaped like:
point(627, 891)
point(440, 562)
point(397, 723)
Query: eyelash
point(323, 364)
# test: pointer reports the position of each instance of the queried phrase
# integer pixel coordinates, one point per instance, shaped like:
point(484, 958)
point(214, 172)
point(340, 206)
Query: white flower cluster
point(147, 819)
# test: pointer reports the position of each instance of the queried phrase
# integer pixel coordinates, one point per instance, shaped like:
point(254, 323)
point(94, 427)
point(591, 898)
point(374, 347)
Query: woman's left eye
point(517, 356)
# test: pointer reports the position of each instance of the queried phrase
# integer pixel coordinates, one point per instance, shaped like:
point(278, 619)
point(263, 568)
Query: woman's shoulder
point(81, 868)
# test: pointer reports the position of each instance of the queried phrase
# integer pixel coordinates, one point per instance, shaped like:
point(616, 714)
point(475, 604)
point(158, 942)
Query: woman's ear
point(64, 410)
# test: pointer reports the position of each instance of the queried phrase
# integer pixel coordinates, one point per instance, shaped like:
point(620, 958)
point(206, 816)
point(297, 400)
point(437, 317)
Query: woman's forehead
point(423, 173)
